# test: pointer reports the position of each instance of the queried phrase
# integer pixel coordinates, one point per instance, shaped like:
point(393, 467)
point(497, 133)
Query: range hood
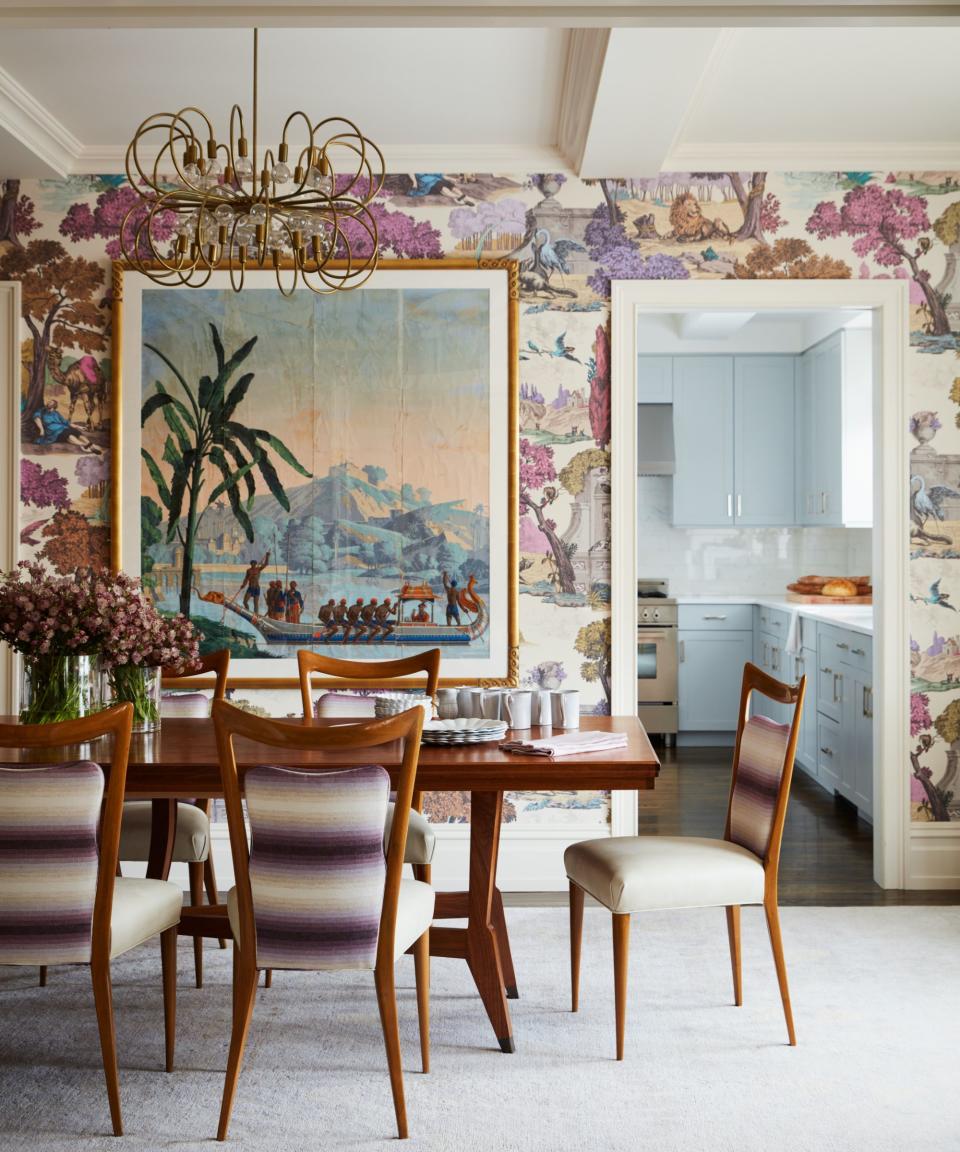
point(655, 454)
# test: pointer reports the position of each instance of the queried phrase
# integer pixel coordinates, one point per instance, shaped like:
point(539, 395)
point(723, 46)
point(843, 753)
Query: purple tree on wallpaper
point(883, 221)
point(502, 221)
point(117, 208)
point(538, 472)
point(619, 258)
point(397, 232)
point(42, 487)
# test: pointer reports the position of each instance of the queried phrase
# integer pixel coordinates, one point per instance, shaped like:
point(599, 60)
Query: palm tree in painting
point(202, 431)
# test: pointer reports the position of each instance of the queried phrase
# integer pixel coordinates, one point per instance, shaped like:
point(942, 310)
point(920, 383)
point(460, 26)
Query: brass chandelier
point(205, 205)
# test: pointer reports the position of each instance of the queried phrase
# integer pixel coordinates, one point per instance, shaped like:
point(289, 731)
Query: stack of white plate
point(392, 703)
point(465, 730)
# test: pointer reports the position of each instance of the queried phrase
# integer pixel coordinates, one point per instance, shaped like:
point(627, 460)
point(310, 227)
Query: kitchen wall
point(737, 561)
point(572, 236)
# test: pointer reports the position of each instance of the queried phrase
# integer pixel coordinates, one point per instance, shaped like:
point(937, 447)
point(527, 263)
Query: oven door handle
point(651, 635)
point(682, 651)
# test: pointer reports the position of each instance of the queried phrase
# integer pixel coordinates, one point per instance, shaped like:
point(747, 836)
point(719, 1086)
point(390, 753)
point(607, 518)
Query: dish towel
point(794, 643)
point(569, 744)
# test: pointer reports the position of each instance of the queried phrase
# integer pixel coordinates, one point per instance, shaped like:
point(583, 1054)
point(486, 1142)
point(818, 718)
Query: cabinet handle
point(827, 751)
point(775, 658)
point(682, 646)
point(868, 710)
point(827, 671)
point(837, 679)
point(777, 623)
point(713, 616)
point(858, 652)
point(823, 503)
point(730, 504)
point(844, 647)
point(739, 504)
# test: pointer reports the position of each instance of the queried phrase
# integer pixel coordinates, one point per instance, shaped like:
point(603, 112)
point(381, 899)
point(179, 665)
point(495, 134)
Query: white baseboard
point(933, 859)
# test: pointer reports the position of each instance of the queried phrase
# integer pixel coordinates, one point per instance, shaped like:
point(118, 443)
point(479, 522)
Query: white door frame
point(889, 302)
point(9, 462)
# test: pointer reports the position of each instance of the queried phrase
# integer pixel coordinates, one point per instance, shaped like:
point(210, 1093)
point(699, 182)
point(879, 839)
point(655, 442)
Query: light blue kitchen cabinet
point(654, 379)
point(806, 665)
point(710, 674)
point(763, 470)
point(856, 775)
point(703, 440)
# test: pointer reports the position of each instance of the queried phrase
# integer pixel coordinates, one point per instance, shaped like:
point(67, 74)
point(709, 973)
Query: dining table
point(180, 761)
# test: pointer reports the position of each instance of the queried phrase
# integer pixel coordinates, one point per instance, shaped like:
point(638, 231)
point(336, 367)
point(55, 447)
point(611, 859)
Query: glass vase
point(141, 687)
point(56, 687)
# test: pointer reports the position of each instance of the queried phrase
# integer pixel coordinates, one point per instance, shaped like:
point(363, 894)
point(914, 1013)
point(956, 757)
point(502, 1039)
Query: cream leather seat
point(191, 843)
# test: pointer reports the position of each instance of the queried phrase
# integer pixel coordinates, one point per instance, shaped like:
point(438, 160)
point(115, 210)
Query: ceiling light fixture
point(206, 205)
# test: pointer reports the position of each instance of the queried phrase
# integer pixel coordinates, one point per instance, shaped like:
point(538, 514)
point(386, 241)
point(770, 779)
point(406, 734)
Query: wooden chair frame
point(407, 726)
point(372, 674)
point(116, 722)
point(754, 680)
point(202, 874)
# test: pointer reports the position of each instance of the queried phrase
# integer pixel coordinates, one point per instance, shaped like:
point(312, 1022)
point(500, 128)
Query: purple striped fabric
point(48, 861)
point(763, 753)
point(317, 869)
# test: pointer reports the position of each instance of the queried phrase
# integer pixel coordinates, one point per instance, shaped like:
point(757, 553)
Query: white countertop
point(855, 617)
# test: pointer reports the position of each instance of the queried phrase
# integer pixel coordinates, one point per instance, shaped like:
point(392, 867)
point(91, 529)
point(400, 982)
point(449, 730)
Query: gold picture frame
point(125, 447)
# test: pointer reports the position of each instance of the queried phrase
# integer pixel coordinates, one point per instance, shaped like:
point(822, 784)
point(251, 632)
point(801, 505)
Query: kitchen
point(754, 531)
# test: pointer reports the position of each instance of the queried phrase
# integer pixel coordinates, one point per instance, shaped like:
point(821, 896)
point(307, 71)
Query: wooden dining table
point(180, 760)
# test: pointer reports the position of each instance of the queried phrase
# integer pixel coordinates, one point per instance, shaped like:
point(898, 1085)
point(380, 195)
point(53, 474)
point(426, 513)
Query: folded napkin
point(568, 744)
point(793, 643)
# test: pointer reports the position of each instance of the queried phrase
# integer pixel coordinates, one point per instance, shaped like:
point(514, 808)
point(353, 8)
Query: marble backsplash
point(738, 561)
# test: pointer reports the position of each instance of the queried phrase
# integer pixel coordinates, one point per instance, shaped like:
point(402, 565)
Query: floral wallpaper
point(572, 237)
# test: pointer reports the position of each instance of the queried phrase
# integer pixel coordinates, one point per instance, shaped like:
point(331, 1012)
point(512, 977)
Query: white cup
point(490, 703)
point(465, 701)
point(565, 708)
point(540, 708)
point(517, 708)
point(447, 705)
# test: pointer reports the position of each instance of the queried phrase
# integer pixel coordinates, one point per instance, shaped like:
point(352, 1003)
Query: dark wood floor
point(827, 855)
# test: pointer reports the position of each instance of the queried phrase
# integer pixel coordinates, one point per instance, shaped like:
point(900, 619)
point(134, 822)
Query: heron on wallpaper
point(926, 504)
point(934, 597)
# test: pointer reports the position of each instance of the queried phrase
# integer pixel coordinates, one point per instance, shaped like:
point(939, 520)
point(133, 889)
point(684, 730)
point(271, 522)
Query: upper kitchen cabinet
point(834, 432)
point(763, 469)
point(703, 440)
point(733, 438)
point(654, 379)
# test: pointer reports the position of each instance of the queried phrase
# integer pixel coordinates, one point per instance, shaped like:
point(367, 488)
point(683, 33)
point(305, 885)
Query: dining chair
point(628, 874)
point(191, 844)
point(421, 839)
point(314, 890)
point(61, 901)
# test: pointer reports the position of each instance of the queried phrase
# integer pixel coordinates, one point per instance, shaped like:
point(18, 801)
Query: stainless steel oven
point(657, 659)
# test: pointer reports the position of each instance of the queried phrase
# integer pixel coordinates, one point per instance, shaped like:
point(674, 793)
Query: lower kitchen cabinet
point(806, 665)
point(710, 675)
point(829, 752)
point(856, 773)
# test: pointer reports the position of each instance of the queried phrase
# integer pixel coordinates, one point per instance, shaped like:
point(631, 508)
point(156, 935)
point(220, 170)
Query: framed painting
point(336, 472)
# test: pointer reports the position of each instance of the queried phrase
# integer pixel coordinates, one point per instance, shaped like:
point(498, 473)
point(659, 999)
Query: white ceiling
point(626, 101)
point(728, 331)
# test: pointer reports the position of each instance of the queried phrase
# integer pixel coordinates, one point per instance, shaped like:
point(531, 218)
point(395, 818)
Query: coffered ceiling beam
point(650, 80)
point(470, 13)
point(32, 141)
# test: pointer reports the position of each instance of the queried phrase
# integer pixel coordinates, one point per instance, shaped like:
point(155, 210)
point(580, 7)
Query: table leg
point(503, 943)
point(163, 829)
point(484, 954)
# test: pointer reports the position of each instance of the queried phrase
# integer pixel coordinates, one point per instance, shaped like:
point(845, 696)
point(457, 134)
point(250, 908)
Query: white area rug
point(876, 1002)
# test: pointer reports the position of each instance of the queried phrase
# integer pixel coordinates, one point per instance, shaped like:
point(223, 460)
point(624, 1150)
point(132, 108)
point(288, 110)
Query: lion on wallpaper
point(690, 224)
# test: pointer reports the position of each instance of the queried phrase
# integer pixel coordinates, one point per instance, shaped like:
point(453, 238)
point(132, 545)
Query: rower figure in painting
point(384, 612)
point(294, 601)
point(368, 614)
point(354, 623)
point(328, 618)
point(251, 582)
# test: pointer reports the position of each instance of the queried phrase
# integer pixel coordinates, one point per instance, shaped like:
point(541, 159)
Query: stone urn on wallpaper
point(923, 427)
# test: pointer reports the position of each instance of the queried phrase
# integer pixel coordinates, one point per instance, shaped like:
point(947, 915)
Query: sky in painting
point(395, 377)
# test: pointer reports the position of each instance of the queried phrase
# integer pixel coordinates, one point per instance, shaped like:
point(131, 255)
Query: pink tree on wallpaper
point(117, 208)
point(599, 378)
point(16, 214)
point(884, 223)
point(538, 473)
point(397, 232)
point(42, 487)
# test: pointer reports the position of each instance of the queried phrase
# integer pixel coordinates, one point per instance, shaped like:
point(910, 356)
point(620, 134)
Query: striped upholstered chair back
point(317, 868)
point(59, 836)
point(763, 766)
point(313, 889)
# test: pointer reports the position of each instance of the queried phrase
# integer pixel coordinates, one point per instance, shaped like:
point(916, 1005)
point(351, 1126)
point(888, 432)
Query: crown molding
point(586, 52)
point(28, 121)
point(493, 159)
point(814, 156)
point(471, 13)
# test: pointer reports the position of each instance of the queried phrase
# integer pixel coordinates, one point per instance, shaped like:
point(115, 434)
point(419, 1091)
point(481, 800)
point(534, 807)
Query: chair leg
point(387, 1002)
point(43, 975)
point(268, 978)
point(421, 960)
point(195, 872)
point(244, 993)
point(576, 937)
point(103, 999)
point(621, 950)
point(210, 883)
point(168, 960)
point(423, 872)
point(776, 944)
point(733, 933)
